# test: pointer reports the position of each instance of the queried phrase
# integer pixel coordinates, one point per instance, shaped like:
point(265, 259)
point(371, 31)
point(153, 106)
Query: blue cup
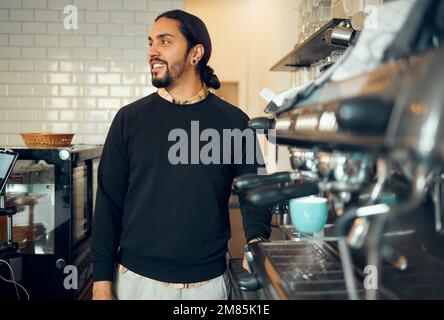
point(308, 214)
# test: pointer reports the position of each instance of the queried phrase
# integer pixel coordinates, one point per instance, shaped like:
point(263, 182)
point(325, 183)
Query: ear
point(197, 52)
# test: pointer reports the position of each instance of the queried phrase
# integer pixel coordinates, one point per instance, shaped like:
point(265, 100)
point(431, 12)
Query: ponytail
point(209, 78)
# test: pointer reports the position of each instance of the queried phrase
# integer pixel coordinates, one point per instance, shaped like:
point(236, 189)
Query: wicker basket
point(47, 139)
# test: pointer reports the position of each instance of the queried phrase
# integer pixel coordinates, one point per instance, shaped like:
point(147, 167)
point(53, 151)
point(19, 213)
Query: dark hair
point(195, 31)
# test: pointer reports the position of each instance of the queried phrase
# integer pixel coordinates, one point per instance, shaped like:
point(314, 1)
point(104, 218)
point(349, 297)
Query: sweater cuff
point(103, 271)
point(256, 231)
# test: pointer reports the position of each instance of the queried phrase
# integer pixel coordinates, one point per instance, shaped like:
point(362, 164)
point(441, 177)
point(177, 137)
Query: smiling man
point(160, 228)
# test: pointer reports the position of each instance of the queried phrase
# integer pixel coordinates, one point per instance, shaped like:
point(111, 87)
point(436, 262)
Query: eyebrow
point(161, 36)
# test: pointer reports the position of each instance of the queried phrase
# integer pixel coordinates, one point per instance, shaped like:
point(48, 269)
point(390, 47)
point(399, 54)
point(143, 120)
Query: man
point(165, 223)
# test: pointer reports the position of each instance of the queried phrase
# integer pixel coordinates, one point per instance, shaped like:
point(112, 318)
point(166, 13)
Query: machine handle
point(251, 180)
point(439, 214)
point(261, 123)
point(354, 114)
point(249, 282)
point(266, 196)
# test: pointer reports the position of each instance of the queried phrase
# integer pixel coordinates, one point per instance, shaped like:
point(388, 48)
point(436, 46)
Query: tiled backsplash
point(62, 80)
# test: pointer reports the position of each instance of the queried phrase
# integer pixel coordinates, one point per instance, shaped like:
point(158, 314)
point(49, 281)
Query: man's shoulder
point(235, 114)
point(138, 105)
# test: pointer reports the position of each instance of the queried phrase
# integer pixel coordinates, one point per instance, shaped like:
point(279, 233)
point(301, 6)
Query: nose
point(152, 52)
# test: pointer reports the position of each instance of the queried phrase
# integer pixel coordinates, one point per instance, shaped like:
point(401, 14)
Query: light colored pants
point(131, 286)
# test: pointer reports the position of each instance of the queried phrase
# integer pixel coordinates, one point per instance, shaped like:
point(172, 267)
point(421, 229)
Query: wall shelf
point(309, 51)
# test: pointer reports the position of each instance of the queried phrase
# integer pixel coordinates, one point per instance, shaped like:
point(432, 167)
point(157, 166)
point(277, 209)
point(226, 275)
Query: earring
point(194, 61)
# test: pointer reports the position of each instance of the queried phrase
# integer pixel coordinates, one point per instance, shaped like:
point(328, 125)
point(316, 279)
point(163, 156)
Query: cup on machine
point(308, 214)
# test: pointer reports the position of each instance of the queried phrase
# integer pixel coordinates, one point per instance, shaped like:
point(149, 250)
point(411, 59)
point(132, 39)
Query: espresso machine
point(373, 146)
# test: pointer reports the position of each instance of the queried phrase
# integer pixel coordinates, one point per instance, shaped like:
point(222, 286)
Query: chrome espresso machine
point(373, 145)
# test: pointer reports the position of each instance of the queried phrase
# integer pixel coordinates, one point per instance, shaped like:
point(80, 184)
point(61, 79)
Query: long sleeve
point(256, 221)
point(111, 191)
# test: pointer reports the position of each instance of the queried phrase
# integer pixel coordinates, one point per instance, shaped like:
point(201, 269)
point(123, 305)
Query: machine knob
point(60, 264)
point(249, 282)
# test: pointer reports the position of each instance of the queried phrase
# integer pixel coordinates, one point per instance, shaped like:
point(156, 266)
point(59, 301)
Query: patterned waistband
point(123, 269)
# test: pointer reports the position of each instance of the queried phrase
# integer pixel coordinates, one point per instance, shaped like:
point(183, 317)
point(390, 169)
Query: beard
point(171, 74)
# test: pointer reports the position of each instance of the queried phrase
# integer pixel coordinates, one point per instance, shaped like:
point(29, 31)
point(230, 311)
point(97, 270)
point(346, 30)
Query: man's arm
point(111, 191)
point(256, 221)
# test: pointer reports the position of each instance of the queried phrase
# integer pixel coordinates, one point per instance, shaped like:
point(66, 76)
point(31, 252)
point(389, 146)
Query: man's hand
point(103, 290)
point(244, 262)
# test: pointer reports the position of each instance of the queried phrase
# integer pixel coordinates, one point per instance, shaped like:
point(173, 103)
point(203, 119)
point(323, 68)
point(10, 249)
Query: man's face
point(167, 55)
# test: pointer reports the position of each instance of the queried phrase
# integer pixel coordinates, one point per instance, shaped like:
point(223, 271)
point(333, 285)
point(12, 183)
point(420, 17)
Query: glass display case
point(54, 193)
point(31, 189)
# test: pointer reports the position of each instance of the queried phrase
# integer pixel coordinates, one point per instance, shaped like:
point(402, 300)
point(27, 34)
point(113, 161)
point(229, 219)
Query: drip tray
point(308, 269)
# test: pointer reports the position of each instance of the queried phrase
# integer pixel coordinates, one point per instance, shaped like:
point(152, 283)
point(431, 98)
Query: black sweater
point(169, 222)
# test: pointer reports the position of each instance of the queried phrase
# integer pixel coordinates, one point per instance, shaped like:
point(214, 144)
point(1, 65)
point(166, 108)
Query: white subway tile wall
point(72, 80)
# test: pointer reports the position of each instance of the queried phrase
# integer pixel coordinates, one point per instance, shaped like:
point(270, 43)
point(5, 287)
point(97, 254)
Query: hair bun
point(210, 79)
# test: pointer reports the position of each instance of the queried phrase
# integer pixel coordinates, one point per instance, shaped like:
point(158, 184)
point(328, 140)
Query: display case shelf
point(309, 51)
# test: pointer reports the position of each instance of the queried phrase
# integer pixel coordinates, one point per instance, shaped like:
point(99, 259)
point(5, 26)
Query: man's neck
point(184, 90)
